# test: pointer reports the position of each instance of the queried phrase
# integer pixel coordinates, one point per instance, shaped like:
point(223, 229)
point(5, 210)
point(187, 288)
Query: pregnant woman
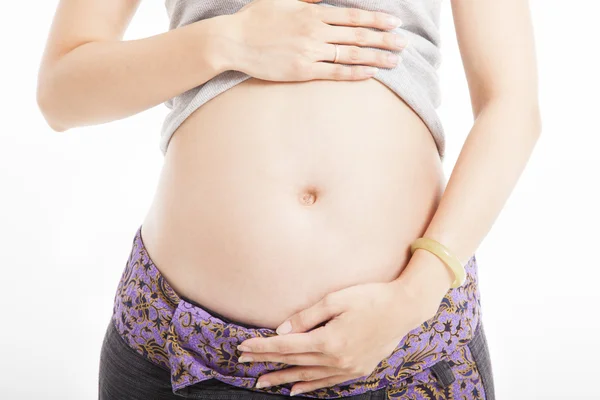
point(303, 239)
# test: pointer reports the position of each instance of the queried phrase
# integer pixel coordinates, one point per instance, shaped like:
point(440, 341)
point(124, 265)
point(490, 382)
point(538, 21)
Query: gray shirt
point(414, 78)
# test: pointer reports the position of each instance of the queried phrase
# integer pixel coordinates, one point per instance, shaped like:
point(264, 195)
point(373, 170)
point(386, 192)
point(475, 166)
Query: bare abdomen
point(274, 194)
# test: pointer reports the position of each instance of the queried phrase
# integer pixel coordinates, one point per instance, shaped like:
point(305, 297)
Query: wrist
point(426, 279)
point(223, 36)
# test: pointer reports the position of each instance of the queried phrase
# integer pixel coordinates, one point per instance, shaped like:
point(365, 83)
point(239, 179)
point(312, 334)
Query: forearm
point(103, 81)
point(487, 170)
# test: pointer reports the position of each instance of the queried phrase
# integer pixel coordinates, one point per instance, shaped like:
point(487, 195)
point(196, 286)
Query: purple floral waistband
point(196, 345)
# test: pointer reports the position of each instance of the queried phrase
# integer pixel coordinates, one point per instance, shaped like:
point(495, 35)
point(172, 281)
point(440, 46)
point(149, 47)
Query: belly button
point(308, 197)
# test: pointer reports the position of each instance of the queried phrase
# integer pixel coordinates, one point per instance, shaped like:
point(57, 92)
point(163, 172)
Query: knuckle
point(297, 64)
point(320, 344)
point(306, 29)
point(312, 12)
point(344, 362)
point(298, 67)
point(326, 300)
point(354, 54)
point(325, 346)
point(361, 36)
point(338, 73)
point(389, 39)
point(283, 348)
point(381, 57)
point(316, 12)
point(308, 72)
point(287, 359)
point(305, 375)
point(332, 347)
point(330, 301)
point(300, 320)
point(315, 31)
point(342, 343)
point(354, 15)
point(308, 51)
point(258, 348)
point(357, 73)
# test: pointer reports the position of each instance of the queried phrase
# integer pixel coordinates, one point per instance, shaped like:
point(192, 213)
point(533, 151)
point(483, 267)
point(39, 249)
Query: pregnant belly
point(274, 194)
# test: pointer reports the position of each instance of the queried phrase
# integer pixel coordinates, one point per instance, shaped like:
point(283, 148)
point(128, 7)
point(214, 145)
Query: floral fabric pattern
point(194, 345)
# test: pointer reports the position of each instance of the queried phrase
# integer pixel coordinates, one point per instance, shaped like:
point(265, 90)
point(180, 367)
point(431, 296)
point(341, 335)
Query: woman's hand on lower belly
point(365, 324)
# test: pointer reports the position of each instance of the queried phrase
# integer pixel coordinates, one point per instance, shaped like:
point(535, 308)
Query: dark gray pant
point(127, 375)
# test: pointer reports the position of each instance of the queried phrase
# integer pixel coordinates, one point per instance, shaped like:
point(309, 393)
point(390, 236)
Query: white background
point(70, 204)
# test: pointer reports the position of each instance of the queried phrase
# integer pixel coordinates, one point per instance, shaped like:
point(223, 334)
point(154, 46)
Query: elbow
point(530, 119)
point(530, 112)
point(533, 118)
point(53, 123)
point(46, 103)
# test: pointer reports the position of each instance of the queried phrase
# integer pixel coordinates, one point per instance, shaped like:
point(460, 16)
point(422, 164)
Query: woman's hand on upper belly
point(288, 40)
point(365, 324)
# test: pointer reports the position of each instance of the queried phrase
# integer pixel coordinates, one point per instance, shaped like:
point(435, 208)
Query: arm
point(500, 66)
point(501, 73)
point(89, 76)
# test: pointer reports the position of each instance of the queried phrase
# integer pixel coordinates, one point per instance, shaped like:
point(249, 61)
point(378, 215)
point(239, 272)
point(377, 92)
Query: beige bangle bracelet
point(442, 252)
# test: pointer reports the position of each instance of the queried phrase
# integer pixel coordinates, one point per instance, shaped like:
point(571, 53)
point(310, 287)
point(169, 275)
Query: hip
point(187, 349)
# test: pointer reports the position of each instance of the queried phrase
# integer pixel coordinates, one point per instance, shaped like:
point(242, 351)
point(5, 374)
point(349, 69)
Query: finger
point(304, 320)
point(337, 72)
point(364, 37)
point(360, 55)
point(293, 343)
point(314, 358)
point(295, 374)
point(349, 16)
point(319, 383)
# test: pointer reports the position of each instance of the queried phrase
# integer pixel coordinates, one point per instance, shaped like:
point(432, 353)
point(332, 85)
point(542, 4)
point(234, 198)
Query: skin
point(501, 71)
point(85, 51)
point(85, 54)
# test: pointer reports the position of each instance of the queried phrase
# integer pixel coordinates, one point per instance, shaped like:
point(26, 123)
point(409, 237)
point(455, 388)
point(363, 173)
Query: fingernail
point(370, 71)
point(284, 328)
point(296, 391)
point(393, 58)
point(243, 348)
point(262, 384)
point(394, 22)
point(245, 359)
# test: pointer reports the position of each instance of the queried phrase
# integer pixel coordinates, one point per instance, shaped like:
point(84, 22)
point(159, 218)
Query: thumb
point(304, 320)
